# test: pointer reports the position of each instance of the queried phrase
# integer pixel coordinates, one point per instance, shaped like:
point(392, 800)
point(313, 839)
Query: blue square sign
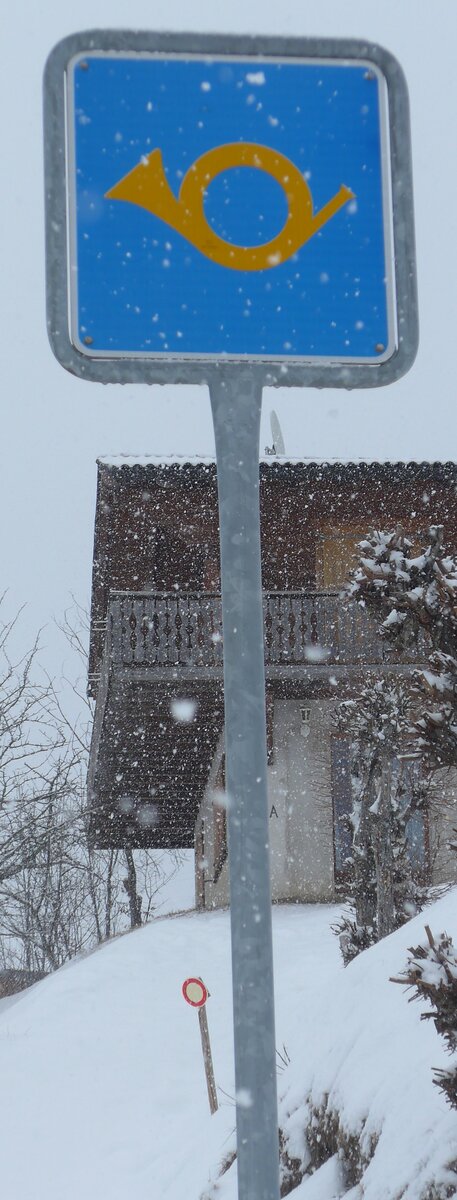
point(229, 207)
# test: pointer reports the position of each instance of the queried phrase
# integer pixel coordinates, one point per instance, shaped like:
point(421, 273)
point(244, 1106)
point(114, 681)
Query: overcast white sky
point(54, 425)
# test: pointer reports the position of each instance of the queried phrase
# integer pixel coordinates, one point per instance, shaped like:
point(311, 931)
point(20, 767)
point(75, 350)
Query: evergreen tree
point(415, 598)
point(385, 795)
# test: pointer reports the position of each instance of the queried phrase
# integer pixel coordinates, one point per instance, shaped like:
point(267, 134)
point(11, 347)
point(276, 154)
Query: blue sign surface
point(229, 207)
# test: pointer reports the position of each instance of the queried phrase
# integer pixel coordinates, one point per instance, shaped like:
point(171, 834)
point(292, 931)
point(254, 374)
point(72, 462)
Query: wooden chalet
point(156, 641)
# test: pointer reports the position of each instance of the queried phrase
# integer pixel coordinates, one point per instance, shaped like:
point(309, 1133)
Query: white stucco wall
point(300, 809)
point(301, 835)
point(216, 894)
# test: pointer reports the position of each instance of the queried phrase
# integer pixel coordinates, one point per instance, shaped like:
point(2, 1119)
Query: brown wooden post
point(208, 1059)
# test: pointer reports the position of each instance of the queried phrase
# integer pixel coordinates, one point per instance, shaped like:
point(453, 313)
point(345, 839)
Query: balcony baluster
point(165, 630)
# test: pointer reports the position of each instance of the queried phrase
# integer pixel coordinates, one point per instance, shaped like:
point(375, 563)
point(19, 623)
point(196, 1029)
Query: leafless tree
point(58, 894)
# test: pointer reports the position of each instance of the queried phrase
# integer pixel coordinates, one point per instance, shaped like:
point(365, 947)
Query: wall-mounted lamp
point(305, 724)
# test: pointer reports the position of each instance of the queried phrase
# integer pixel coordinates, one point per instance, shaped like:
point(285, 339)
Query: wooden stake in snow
point(196, 994)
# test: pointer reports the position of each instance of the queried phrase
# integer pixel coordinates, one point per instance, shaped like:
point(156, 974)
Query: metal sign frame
point(316, 372)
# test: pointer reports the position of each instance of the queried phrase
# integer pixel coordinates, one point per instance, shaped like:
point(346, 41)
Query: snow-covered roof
point(155, 460)
point(161, 461)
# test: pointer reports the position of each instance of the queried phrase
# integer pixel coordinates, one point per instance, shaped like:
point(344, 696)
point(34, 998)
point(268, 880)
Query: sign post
point(235, 212)
point(196, 994)
point(236, 405)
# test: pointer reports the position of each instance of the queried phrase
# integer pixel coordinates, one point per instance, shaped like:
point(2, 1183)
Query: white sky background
point(54, 426)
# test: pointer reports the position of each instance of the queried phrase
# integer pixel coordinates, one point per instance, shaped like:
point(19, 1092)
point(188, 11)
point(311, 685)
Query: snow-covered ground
point(102, 1084)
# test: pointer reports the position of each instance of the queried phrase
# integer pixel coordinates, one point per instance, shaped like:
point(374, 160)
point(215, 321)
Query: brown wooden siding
point(157, 527)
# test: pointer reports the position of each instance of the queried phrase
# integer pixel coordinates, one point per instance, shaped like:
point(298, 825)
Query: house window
point(416, 840)
point(337, 551)
point(336, 554)
point(405, 775)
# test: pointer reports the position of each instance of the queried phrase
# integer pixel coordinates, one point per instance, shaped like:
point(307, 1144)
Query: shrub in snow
point(291, 1169)
point(353, 938)
point(432, 973)
point(327, 1138)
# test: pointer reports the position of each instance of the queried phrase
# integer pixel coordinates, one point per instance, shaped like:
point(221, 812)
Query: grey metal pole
point(236, 400)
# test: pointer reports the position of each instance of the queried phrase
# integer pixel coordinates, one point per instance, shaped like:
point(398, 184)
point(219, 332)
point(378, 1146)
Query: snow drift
point(103, 1090)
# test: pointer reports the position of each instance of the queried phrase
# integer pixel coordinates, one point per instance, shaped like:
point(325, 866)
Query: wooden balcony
point(164, 635)
point(159, 646)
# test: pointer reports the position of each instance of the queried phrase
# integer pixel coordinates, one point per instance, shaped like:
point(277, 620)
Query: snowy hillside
point(102, 1084)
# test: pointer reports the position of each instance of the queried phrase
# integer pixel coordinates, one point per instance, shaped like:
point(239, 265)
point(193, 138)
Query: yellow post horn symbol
point(147, 186)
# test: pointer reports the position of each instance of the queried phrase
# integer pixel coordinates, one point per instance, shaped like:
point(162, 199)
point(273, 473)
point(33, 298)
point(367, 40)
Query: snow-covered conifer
point(415, 595)
point(385, 795)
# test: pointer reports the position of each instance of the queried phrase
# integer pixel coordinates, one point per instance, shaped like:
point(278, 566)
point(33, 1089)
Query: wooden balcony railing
point(164, 630)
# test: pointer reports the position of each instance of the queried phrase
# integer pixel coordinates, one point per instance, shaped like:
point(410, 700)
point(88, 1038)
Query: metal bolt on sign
point(160, 150)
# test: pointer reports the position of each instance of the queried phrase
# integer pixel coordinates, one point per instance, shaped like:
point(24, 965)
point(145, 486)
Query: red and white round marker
point(195, 992)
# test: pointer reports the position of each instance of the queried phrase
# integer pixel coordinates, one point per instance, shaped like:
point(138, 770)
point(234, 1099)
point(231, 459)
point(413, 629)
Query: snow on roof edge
point(155, 460)
point(196, 460)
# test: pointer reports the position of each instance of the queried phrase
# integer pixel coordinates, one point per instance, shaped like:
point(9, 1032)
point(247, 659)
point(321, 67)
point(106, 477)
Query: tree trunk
point(384, 855)
point(130, 883)
point(364, 889)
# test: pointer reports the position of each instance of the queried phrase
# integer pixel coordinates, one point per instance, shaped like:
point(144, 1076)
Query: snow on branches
point(436, 729)
point(413, 594)
point(377, 718)
point(410, 591)
point(385, 794)
point(432, 973)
